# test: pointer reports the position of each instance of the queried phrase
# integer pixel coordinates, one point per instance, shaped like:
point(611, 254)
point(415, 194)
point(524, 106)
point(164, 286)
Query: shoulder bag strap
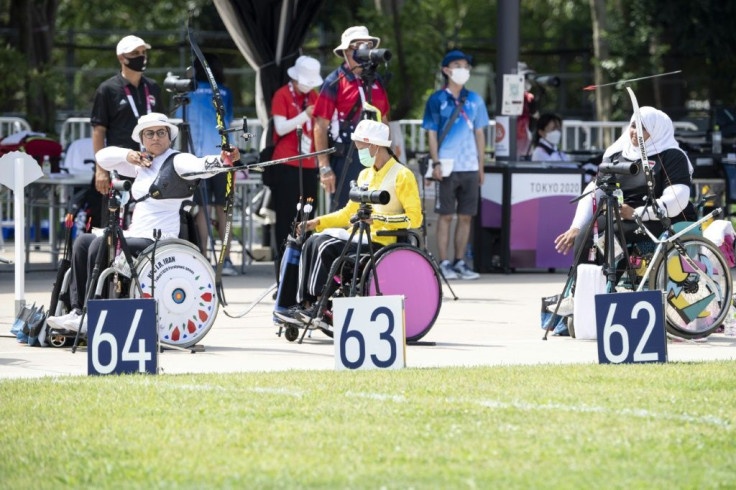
point(451, 121)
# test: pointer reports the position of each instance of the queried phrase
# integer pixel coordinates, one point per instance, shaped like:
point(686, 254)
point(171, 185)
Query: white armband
point(674, 200)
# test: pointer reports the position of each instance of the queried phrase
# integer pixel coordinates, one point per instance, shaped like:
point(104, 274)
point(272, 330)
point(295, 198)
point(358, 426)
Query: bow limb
point(643, 152)
point(216, 95)
point(639, 128)
point(225, 146)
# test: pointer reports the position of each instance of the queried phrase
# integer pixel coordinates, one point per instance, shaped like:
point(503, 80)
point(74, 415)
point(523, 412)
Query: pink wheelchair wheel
point(405, 270)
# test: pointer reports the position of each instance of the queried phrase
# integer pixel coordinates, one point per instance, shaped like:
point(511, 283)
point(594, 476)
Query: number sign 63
point(369, 332)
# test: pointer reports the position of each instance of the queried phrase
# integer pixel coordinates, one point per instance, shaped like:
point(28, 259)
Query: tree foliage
point(644, 37)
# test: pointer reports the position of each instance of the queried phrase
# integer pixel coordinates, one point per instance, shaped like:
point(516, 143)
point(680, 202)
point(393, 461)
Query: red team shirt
point(344, 94)
point(289, 105)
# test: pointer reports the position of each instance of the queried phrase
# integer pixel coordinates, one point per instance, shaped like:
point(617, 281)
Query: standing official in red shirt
point(291, 108)
point(340, 108)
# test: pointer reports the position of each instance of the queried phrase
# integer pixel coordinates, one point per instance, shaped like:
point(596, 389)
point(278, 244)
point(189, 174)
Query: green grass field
point(587, 426)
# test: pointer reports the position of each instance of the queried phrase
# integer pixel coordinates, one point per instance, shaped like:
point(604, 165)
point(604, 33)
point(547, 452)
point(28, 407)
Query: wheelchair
point(694, 275)
point(401, 268)
point(178, 275)
point(690, 270)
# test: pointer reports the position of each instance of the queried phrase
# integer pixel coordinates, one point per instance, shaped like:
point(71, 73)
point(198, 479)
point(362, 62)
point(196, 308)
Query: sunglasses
point(149, 133)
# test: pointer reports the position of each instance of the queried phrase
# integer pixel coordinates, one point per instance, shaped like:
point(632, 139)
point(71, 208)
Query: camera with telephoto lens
point(178, 85)
point(371, 56)
point(362, 195)
point(546, 80)
point(628, 168)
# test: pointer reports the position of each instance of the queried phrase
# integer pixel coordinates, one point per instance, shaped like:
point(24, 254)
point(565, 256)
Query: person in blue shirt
point(457, 160)
point(205, 141)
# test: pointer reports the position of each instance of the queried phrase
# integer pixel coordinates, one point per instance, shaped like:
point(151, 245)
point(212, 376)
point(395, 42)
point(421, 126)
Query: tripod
point(111, 236)
point(363, 230)
point(607, 183)
point(436, 265)
point(368, 77)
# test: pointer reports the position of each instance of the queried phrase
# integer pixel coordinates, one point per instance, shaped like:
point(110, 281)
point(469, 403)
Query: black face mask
point(137, 64)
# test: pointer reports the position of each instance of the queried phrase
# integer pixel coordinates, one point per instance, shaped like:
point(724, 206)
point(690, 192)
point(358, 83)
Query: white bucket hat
point(152, 120)
point(129, 43)
point(355, 33)
point(306, 71)
point(371, 132)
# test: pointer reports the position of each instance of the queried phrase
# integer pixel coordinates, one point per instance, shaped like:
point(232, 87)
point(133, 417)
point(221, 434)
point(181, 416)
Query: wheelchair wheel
point(59, 341)
point(406, 270)
point(291, 333)
point(185, 289)
point(697, 284)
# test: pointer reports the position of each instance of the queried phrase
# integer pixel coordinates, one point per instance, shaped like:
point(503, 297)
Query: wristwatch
point(435, 164)
point(325, 170)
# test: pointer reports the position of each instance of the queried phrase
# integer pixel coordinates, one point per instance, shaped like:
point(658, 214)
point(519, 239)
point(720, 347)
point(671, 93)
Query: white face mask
point(554, 137)
point(365, 157)
point(460, 75)
point(303, 88)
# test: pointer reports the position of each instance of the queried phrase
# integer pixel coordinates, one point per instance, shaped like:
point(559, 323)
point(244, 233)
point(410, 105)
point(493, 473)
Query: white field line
point(492, 404)
point(629, 412)
point(546, 407)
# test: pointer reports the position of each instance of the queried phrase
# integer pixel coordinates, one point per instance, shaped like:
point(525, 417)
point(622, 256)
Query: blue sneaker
point(463, 271)
point(228, 269)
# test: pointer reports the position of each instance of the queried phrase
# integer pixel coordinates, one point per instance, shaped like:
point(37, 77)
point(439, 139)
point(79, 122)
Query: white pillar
point(20, 234)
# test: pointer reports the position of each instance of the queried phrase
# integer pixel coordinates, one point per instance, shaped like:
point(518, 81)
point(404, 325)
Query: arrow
point(593, 87)
point(257, 166)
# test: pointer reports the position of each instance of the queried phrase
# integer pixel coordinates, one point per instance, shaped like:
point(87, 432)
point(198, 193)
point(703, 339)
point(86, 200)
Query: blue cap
point(455, 55)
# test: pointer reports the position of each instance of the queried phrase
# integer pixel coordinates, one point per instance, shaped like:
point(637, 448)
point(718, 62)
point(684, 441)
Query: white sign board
point(369, 332)
point(512, 102)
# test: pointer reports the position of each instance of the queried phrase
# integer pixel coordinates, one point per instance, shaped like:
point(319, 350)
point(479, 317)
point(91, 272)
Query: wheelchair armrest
point(403, 236)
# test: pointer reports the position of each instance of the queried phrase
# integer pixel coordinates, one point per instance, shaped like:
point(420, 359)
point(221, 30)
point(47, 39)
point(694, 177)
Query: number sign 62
point(630, 327)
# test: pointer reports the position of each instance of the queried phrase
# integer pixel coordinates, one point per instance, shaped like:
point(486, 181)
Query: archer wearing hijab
point(672, 173)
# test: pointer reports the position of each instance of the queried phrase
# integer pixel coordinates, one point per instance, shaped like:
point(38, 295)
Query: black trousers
point(318, 254)
point(84, 255)
point(630, 230)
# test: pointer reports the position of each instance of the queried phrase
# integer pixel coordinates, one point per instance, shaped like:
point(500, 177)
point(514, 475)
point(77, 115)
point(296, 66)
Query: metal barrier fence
point(576, 135)
point(10, 125)
point(597, 135)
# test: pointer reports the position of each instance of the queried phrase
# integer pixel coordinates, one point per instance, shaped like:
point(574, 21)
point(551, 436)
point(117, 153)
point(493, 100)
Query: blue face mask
point(365, 157)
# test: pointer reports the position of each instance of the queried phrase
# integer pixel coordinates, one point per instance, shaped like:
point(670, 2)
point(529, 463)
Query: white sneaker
point(72, 324)
point(464, 272)
point(566, 307)
point(447, 271)
point(228, 269)
point(57, 322)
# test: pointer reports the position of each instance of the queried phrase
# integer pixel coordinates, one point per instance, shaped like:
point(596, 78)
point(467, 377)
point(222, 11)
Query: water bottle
point(46, 165)
point(80, 222)
point(619, 194)
point(716, 139)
